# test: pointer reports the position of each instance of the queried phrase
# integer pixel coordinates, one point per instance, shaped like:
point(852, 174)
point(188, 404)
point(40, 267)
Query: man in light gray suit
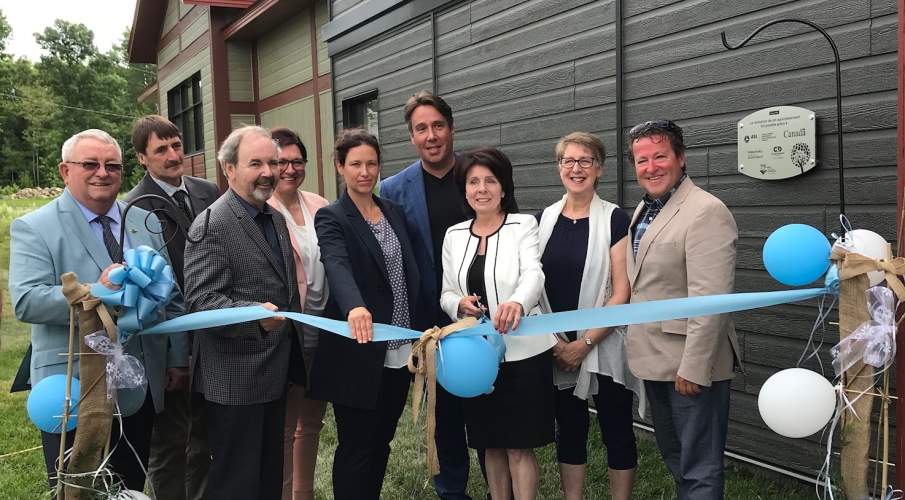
point(244, 259)
point(79, 232)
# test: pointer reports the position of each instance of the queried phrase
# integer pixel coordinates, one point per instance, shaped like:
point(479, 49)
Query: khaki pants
point(304, 420)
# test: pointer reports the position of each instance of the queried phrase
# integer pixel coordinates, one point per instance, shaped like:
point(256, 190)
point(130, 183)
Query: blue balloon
point(467, 366)
point(45, 404)
point(796, 254)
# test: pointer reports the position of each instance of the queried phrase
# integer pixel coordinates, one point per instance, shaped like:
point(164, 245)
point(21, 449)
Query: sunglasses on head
point(644, 128)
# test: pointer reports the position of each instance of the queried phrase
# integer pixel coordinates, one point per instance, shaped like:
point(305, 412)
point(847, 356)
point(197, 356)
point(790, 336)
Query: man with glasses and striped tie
point(80, 232)
point(683, 244)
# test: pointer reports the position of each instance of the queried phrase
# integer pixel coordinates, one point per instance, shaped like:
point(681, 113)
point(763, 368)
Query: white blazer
point(512, 272)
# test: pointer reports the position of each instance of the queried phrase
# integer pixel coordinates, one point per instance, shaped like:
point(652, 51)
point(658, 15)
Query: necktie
point(113, 248)
point(182, 199)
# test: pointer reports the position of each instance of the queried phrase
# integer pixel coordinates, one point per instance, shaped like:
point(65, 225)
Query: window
point(184, 105)
point(361, 112)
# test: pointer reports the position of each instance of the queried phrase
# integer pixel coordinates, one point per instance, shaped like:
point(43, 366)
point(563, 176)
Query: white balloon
point(868, 244)
point(131, 495)
point(796, 402)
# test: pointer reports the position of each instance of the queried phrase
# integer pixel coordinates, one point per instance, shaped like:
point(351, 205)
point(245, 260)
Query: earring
point(503, 195)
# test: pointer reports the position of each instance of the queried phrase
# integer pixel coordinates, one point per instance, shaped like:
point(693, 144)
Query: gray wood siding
point(520, 74)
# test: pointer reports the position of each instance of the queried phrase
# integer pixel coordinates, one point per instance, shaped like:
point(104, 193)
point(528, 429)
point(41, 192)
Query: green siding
point(167, 53)
point(238, 55)
point(284, 57)
point(171, 17)
point(236, 121)
point(327, 135)
point(298, 116)
point(196, 29)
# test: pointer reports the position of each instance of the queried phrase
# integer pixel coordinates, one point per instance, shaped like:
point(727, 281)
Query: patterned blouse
point(392, 256)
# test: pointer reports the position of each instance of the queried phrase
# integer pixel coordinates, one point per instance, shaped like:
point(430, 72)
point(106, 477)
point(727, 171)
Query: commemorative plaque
point(777, 143)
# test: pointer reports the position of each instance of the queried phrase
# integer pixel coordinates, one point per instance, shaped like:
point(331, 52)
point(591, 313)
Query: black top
point(445, 208)
point(264, 219)
point(476, 278)
point(565, 254)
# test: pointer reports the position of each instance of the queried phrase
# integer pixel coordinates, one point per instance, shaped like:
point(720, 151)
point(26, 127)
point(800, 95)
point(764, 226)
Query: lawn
point(22, 473)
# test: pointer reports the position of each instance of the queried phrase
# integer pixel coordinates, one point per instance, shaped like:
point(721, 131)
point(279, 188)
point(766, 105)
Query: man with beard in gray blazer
point(244, 259)
point(179, 460)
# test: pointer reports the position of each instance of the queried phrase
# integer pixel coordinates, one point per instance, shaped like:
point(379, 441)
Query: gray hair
point(91, 133)
point(229, 150)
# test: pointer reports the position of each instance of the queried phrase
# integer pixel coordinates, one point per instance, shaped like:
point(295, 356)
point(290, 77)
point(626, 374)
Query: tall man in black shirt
point(428, 195)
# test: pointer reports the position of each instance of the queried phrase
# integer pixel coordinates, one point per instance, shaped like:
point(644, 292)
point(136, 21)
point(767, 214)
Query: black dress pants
point(246, 442)
point(364, 436)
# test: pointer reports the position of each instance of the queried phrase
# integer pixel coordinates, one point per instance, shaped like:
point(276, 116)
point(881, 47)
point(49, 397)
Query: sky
point(106, 18)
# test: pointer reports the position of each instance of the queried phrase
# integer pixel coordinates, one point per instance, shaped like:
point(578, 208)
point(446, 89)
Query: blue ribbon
point(626, 314)
point(146, 283)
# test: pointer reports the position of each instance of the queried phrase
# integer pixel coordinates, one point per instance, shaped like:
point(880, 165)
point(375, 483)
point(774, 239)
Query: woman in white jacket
point(491, 265)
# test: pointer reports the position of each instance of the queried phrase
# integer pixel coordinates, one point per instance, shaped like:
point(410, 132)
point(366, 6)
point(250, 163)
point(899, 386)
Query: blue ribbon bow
point(146, 284)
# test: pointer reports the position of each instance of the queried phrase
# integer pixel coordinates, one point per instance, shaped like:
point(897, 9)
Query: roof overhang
point(145, 34)
point(262, 17)
point(236, 4)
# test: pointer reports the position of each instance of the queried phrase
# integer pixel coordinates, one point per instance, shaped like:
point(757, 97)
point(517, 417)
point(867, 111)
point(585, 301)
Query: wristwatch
point(587, 341)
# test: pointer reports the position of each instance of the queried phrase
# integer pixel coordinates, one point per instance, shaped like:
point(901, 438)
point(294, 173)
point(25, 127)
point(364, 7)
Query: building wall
point(298, 116)
point(520, 74)
point(184, 51)
point(241, 85)
point(284, 56)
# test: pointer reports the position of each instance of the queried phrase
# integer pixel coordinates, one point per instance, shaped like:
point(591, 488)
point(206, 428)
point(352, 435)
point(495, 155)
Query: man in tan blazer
point(683, 244)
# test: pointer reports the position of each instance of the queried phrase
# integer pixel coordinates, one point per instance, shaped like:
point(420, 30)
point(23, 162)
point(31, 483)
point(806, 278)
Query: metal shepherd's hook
point(182, 222)
point(838, 89)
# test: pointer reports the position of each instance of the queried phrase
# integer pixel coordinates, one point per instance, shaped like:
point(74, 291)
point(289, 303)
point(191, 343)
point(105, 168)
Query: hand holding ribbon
point(146, 283)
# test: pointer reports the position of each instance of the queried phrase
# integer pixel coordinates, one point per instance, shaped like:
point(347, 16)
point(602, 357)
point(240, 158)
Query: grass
point(22, 475)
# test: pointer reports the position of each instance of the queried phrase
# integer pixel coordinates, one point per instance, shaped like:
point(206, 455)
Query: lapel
point(414, 190)
point(134, 222)
point(363, 231)
point(201, 199)
point(73, 219)
point(254, 232)
point(666, 214)
point(279, 226)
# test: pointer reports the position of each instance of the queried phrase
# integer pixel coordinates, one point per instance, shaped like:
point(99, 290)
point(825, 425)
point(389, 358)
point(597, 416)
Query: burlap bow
point(852, 264)
point(859, 378)
point(423, 363)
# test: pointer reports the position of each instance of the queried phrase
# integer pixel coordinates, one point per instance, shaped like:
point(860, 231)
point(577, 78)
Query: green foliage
point(72, 88)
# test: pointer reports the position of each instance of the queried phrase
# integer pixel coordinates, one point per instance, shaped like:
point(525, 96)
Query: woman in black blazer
point(373, 277)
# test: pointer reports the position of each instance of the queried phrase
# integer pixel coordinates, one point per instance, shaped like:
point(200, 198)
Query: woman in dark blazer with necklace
point(373, 278)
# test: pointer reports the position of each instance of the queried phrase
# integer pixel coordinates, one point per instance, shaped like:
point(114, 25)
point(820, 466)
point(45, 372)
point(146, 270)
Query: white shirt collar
point(168, 188)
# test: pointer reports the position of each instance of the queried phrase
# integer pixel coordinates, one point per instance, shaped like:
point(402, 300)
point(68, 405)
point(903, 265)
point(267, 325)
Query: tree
point(74, 87)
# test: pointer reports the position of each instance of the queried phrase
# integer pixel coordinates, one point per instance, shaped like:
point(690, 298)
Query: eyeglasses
point(92, 166)
point(583, 163)
point(643, 128)
point(297, 165)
